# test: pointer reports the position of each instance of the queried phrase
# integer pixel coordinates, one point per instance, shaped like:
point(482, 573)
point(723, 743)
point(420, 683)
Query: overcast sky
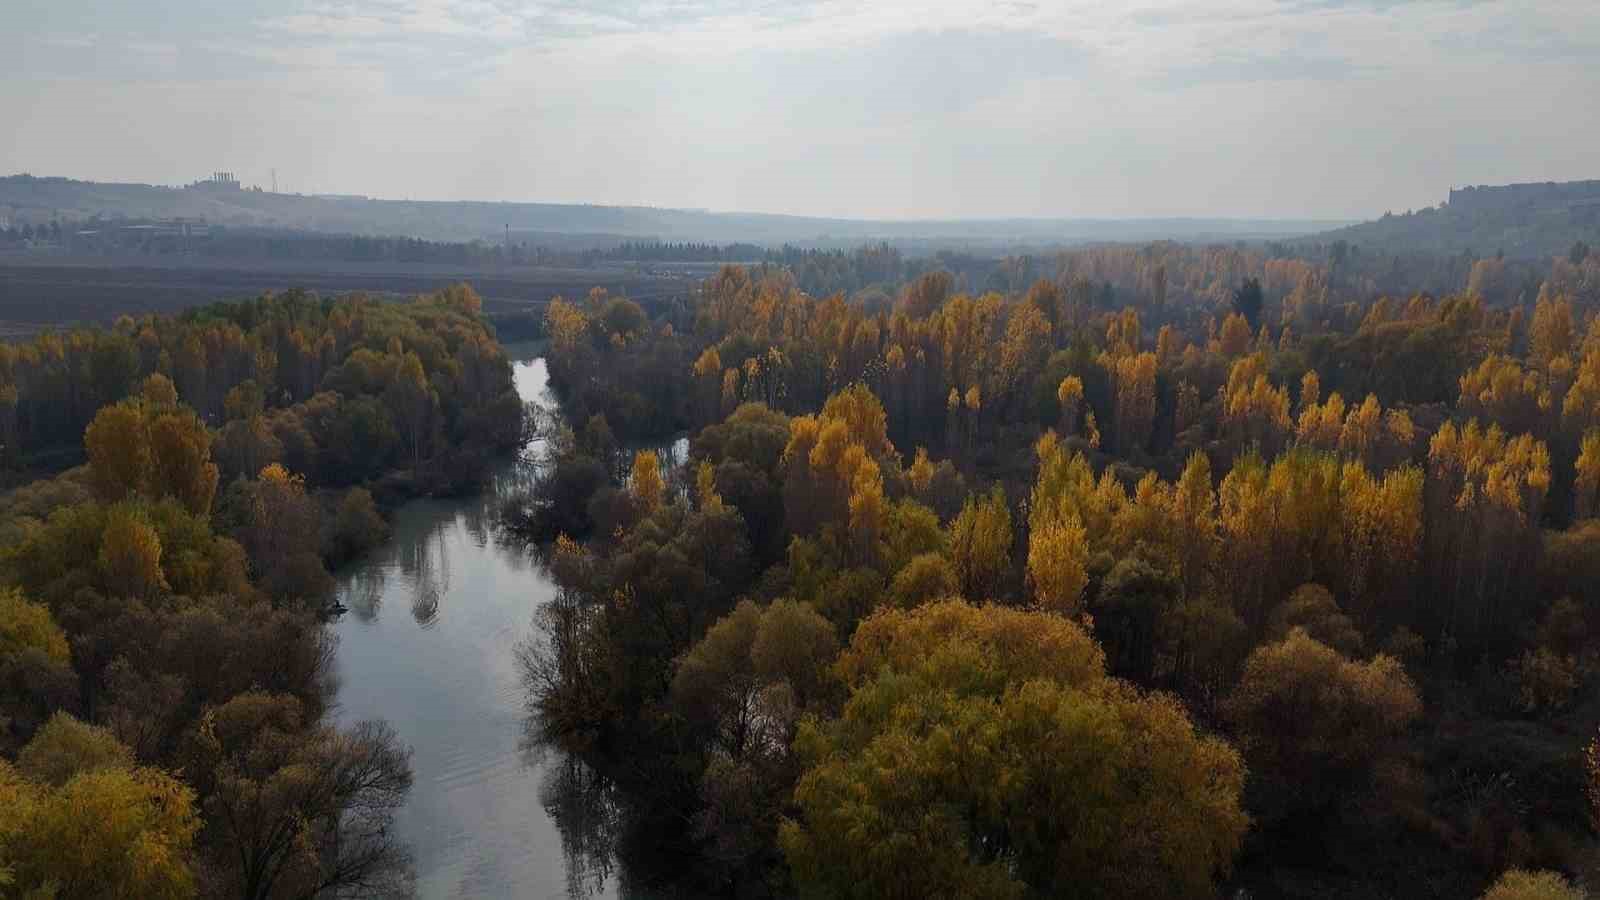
point(897, 109)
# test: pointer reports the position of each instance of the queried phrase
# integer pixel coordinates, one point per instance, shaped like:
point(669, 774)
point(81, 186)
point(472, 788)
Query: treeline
point(1237, 585)
point(664, 251)
point(413, 397)
point(165, 674)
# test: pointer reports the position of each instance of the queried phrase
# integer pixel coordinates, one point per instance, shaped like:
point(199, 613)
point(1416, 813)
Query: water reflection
point(365, 592)
point(486, 816)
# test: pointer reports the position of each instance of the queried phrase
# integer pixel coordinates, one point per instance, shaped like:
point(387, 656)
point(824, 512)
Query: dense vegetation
point(164, 670)
point(1518, 220)
point(1166, 570)
point(413, 396)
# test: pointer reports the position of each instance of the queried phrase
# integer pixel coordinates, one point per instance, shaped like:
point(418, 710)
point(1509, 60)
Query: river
point(429, 644)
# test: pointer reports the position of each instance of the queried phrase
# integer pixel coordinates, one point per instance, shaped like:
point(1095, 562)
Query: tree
point(66, 747)
point(1313, 608)
point(412, 401)
point(282, 532)
point(645, 483)
point(301, 810)
point(1248, 300)
point(983, 753)
point(727, 681)
point(1586, 484)
point(107, 832)
point(1521, 884)
point(130, 554)
point(29, 626)
point(150, 448)
point(1058, 559)
point(356, 528)
point(980, 544)
point(1315, 720)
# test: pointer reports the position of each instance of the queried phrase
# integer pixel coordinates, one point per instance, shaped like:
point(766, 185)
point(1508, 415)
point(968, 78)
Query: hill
point(1522, 220)
point(24, 198)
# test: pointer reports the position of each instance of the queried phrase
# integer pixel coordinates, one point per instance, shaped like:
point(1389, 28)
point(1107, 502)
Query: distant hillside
point(1523, 220)
point(26, 199)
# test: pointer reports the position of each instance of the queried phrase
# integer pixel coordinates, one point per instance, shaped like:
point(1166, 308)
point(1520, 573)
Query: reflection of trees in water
point(587, 812)
point(613, 833)
point(365, 592)
point(426, 564)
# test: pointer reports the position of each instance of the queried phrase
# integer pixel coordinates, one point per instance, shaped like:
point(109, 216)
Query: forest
point(1167, 570)
point(165, 674)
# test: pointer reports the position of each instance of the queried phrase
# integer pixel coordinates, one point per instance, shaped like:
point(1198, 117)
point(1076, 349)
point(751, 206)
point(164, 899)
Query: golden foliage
point(986, 720)
point(29, 626)
point(107, 832)
point(645, 483)
point(1521, 884)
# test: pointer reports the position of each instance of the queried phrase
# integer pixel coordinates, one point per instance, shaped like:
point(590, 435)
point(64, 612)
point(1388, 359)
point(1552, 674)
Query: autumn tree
point(1058, 558)
point(1521, 884)
point(281, 528)
point(1313, 608)
point(413, 402)
point(746, 683)
point(1033, 774)
point(65, 747)
point(980, 544)
point(108, 830)
point(645, 482)
point(1316, 722)
point(302, 809)
point(25, 625)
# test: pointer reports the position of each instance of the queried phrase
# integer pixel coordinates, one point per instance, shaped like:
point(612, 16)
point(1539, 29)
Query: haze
point(884, 110)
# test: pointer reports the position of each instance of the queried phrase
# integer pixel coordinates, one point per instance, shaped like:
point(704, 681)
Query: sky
point(902, 109)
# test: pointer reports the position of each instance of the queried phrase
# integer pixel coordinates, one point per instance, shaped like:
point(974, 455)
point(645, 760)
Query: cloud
point(856, 107)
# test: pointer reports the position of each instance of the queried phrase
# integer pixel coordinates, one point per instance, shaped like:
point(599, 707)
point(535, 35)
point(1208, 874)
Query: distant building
point(219, 181)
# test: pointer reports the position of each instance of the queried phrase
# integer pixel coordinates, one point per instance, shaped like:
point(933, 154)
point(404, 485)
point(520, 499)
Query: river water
point(429, 644)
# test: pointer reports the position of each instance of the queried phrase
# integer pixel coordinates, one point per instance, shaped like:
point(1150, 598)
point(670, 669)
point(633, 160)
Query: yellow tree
point(1069, 397)
point(1194, 505)
point(1256, 413)
point(29, 626)
point(113, 832)
point(1234, 340)
point(1586, 484)
point(998, 722)
point(118, 448)
point(1580, 409)
point(980, 544)
point(1134, 378)
point(1522, 884)
point(645, 484)
point(1310, 390)
point(1058, 559)
point(1362, 433)
point(1500, 391)
point(130, 554)
point(1552, 333)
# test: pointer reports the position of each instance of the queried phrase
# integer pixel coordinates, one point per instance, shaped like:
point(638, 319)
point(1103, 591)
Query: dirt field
point(41, 292)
